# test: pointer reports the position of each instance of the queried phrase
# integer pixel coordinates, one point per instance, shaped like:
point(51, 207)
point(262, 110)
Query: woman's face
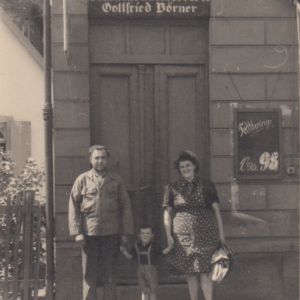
point(187, 169)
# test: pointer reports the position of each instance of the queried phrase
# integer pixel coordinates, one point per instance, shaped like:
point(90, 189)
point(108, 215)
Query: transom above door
point(148, 41)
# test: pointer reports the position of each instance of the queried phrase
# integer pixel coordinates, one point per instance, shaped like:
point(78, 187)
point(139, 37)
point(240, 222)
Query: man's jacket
point(99, 209)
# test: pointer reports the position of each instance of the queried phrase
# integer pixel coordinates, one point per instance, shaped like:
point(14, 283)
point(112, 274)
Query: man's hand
point(79, 238)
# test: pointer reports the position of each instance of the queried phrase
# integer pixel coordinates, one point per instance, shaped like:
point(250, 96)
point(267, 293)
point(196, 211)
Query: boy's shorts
point(147, 278)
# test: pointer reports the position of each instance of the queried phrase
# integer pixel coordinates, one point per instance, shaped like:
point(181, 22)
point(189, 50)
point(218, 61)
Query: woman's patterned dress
point(195, 228)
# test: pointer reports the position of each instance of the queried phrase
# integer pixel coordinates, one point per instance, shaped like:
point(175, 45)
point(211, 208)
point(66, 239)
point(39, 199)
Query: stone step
point(165, 292)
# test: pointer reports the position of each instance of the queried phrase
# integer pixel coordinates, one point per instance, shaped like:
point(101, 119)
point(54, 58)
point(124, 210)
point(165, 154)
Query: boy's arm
point(125, 252)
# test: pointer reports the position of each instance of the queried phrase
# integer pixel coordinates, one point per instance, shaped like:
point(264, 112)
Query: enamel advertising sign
point(257, 144)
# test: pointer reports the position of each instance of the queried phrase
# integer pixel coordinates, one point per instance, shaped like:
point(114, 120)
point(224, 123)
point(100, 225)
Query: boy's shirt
point(146, 255)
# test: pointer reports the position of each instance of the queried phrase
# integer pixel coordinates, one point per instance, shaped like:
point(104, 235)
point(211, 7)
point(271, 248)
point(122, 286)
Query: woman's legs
point(207, 286)
point(193, 284)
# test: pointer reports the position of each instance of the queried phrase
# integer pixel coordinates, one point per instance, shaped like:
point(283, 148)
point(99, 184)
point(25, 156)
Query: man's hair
point(98, 147)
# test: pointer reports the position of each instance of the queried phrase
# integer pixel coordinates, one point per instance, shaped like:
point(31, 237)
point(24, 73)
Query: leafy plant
point(30, 178)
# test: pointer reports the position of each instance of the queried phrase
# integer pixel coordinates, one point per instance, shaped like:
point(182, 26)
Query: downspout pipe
point(297, 5)
point(48, 127)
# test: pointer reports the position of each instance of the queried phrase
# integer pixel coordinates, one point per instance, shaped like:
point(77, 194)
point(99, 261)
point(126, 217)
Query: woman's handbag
point(221, 263)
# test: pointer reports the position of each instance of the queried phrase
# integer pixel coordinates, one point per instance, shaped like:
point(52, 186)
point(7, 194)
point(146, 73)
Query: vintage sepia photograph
point(149, 149)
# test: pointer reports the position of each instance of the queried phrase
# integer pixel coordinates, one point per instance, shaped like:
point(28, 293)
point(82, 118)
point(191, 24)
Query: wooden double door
point(147, 114)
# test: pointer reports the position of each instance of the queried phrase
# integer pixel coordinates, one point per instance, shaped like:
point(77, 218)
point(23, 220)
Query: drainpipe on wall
point(297, 5)
point(48, 124)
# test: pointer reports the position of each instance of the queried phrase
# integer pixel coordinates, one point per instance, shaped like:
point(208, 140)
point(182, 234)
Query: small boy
point(146, 254)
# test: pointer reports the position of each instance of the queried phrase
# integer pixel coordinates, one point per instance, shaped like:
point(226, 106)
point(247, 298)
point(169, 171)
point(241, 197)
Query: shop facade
point(151, 78)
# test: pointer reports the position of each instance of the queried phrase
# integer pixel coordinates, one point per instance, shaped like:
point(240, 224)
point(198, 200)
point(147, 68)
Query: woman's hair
point(187, 155)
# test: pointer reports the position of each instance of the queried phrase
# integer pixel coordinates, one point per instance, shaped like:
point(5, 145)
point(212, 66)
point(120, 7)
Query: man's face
point(99, 160)
point(146, 235)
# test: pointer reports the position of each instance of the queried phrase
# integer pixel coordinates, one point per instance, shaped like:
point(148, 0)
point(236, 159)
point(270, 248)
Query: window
point(3, 140)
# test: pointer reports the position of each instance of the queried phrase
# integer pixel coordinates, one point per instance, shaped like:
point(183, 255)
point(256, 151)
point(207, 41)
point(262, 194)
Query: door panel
point(115, 114)
point(122, 118)
point(181, 115)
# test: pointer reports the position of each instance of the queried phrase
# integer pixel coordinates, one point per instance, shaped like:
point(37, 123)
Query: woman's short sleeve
point(168, 200)
point(211, 195)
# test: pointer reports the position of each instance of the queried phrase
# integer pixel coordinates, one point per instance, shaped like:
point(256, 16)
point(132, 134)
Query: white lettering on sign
point(159, 7)
point(267, 161)
point(247, 127)
point(246, 165)
point(126, 8)
point(162, 7)
point(167, 1)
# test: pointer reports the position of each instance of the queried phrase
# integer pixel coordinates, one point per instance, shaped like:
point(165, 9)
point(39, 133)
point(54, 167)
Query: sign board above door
point(149, 8)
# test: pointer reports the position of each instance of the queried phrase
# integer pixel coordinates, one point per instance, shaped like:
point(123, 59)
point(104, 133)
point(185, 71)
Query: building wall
point(21, 92)
point(71, 134)
point(253, 64)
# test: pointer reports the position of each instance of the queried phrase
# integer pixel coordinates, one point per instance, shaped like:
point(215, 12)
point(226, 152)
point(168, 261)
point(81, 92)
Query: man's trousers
point(99, 255)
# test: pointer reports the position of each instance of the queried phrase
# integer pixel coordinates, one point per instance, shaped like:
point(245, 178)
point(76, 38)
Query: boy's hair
point(146, 226)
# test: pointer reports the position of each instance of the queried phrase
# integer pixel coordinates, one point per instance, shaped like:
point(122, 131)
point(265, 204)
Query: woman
point(193, 225)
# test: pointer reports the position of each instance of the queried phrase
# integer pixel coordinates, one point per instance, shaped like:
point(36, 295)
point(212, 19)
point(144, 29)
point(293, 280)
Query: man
point(99, 215)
